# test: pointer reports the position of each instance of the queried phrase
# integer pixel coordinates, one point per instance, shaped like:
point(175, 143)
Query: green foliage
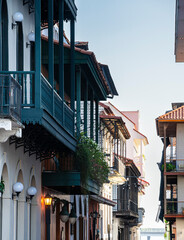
point(91, 161)
point(2, 186)
point(169, 167)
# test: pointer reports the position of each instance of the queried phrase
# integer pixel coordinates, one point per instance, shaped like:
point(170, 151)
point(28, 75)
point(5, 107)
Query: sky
point(135, 38)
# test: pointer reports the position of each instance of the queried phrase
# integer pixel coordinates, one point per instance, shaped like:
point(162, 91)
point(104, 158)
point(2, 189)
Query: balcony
point(125, 208)
point(10, 108)
point(55, 117)
point(117, 172)
point(10, 98)
point(69, 178)
point(174, 208)
point(174, 166)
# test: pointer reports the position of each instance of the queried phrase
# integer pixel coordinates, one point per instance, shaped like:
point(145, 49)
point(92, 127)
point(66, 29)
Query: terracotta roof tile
point(177, 114)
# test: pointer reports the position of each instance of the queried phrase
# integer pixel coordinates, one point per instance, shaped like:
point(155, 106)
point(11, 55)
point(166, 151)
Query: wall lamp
point(64, 214)
point(17, 189)
point(17, 18)
point(31, 38)
point(31, 192)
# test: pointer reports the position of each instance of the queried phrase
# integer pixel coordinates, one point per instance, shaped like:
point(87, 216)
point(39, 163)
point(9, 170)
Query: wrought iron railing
point(10, 97)
point(174, 207)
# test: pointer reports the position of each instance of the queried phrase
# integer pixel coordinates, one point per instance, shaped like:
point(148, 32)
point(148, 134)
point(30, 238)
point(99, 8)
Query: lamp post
point(31, 192)
point(48, 202)
point(94, 215)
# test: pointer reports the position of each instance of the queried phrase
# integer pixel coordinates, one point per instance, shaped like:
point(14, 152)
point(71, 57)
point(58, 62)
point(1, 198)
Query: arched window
point(20, 47)
point(4, 36)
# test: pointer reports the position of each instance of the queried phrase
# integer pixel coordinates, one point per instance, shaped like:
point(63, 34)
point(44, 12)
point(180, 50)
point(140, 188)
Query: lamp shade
point(18, 187)
point(31, 36)
point(72, 216)
point(31, 191)
point(64, 215)
point(18, 17)
point(48, 200)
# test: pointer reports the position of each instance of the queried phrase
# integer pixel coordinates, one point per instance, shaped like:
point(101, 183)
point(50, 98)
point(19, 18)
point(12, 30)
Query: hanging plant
point(2, 186)
point(91, 161)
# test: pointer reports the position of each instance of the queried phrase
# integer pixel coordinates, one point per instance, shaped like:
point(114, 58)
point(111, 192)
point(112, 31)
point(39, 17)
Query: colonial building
point(171, 130)
point(43, 81)
point(124, 147)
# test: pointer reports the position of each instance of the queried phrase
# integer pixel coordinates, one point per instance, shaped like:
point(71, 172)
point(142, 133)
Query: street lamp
point(94, 215)
point(48, 202)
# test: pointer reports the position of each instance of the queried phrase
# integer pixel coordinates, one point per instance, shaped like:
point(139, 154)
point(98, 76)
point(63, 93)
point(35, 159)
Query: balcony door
point(4, 35)
point(20, 48)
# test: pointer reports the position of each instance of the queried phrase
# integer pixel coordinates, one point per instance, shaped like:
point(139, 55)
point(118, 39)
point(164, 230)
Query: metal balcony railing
point(10, 97)
point(174, 165)
point(118, 164)
point(23, 91)
point(124, 206)
point(174, 207)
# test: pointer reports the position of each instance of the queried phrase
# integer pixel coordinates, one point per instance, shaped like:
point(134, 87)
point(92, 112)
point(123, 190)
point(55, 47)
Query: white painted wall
point(28, 26)
point(15, 161)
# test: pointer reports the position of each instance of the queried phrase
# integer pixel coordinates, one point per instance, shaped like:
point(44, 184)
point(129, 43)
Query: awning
point(103, 200)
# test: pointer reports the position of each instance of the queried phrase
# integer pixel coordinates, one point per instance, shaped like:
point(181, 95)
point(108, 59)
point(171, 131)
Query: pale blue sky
point(136, 39)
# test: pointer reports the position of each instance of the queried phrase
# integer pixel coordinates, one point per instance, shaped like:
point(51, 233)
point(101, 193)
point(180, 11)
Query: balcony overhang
point(33, 118)
point(103, 200)
point(69, 183)
point(126, 214)
point(112, 122)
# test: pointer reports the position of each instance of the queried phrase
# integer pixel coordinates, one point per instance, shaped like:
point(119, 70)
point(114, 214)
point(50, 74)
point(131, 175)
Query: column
point(61, 55)
point(86, 108)
point(72, 62)
point(78, 88)
point(97, 119)
point(51, 49)
point(91, 115)
point(37, 93)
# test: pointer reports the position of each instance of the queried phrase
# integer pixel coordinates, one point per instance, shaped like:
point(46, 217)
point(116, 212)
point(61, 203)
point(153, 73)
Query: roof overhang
point(111, 122)
point(103, 200)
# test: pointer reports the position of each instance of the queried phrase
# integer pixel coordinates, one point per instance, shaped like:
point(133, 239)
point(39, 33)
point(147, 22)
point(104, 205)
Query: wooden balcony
point(53, 115)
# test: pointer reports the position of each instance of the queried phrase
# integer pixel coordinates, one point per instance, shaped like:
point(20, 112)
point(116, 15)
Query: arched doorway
point(3, 35)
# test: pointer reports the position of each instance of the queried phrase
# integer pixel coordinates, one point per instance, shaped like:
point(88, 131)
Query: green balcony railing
point(50, 100)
